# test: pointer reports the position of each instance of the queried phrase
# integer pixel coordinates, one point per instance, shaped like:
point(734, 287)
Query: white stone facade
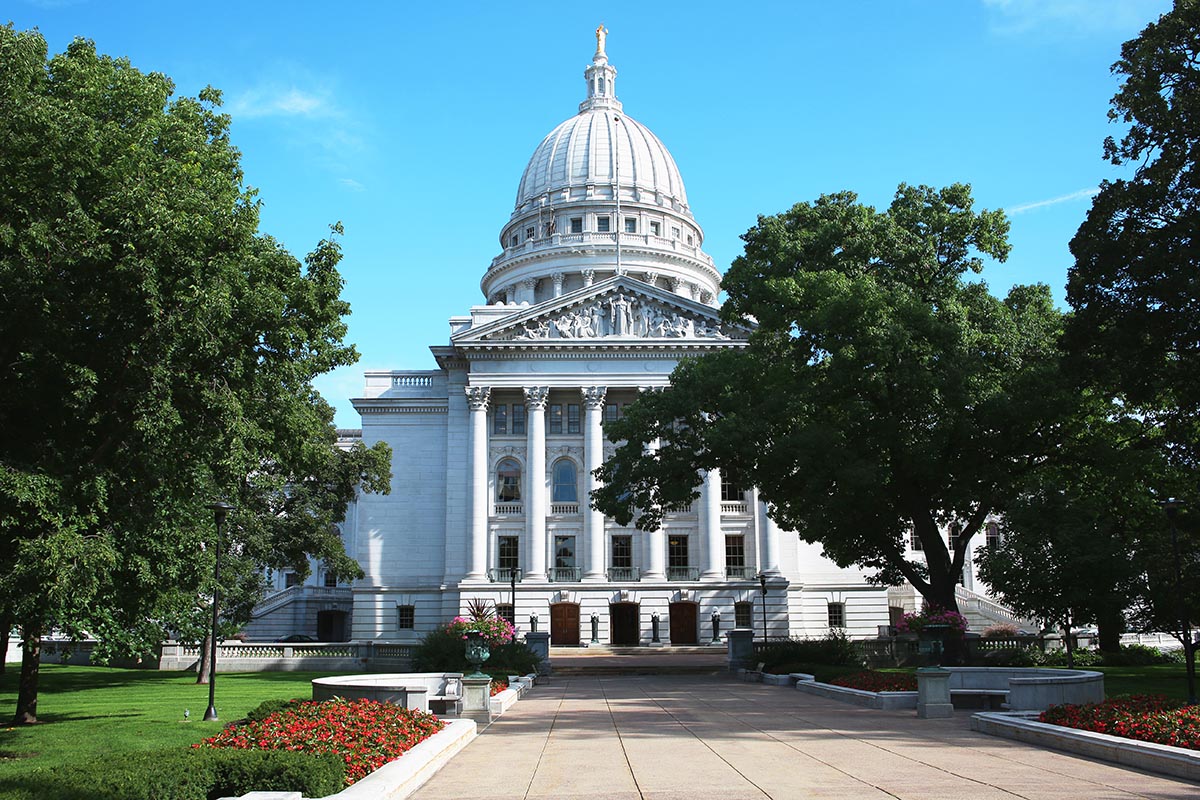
point(600, 289)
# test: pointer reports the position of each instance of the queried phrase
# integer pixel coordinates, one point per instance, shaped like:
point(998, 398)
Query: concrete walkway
point(696, 738)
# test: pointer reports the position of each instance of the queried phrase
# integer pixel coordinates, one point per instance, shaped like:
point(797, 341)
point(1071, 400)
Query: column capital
point(535, 397)
point(589, 277)
point(529, 283)
point(478, 396)
point(593, 396)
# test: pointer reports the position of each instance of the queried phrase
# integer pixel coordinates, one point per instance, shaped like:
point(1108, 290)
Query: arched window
point(565, 484)
point(508, 481)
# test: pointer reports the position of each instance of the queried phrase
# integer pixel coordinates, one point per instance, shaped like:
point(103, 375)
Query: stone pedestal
point(740, 643)
point(539, 643)
point(933, 693)
point(477, 695)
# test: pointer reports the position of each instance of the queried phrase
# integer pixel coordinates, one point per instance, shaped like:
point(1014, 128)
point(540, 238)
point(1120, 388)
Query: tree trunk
point(954, 648)
point(27, 687)
point(6, 623)
point(1110, 625)
point(205, 667)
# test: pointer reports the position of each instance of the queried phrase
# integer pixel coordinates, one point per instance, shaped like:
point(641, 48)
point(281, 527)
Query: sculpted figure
point(601, 35)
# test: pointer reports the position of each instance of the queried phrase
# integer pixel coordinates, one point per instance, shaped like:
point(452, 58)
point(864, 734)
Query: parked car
point(298, 637)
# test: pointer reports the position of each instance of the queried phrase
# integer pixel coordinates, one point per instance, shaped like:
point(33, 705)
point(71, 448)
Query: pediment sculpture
point(618, 315)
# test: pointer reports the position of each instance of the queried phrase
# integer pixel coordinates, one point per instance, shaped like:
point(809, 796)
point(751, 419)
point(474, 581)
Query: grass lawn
point(94, 711)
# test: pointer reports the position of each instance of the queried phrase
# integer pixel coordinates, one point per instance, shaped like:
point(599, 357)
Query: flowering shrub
point(365, 733)
point(932, 615)
point(1146, 718)
point(498, 686)
point(872, 681)
point(1000, 630)
point(496, 630)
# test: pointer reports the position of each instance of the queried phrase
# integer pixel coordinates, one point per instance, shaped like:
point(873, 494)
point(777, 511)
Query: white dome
point(580, 152)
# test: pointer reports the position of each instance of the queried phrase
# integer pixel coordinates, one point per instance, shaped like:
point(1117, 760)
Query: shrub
point(1011, 657)
point(514, 658)
point(1135, 655)
point(1001, 630)
point(193, 775)
point(1147, 718)
point(440, 651)
point(874, 681)
point(363, 733)
point(835, 648)
point(268, 707)
point(932, 615)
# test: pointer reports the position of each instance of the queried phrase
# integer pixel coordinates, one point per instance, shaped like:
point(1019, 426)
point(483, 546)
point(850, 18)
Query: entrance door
point(564, 623)
point(623, 624)
point(683, 623)
point(331, 626)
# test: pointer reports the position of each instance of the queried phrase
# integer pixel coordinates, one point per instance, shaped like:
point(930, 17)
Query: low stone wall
point(1032, 688)
point(1175, 761)
point(236, 656)
point(409, 689)
point(884, 701)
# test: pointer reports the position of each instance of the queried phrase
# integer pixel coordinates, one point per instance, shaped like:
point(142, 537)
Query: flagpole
point(617, 186)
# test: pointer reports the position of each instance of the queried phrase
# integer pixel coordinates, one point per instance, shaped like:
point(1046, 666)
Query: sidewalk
point(696, 738)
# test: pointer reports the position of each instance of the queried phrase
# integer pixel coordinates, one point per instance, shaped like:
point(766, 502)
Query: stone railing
point(988, 608)
point(564, 574)
point(683, 573)
point(301, 592)
point(510, 509)
point(504, 575)
point(282, 656)
point(413, 379)
point(733, 507)
point(738, 573)
point(564, 508)
point(622, 574)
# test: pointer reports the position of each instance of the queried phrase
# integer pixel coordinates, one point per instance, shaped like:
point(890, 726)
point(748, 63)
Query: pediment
point(620, 308)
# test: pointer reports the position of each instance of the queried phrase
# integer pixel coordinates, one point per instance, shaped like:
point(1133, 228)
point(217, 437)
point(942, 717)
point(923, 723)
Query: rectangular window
point(576, 224)
point(742, 614)
point(622, 552)
point(564, 551)
point(406, 617)
point(730, 491)
point(516, 240)
point(993, 535)
point(291, 579)
point(602, 224)
point(572, 418)
point(330, 580)
point(518, 419)
point(500, 420)
point(690, 239)
point(915, 542)
point(612, 412)
point(735, 552)
point(506, 611)
point(677, 551)
point(656, 229)
point(631, 224)
point(674, 232)
point(837, 615)
point(508, 552)
point(554, 419)
point(529, 233)
point(955, 530)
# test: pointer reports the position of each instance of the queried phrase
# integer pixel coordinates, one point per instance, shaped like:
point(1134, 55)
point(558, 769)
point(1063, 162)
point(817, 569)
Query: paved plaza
point(700, 737)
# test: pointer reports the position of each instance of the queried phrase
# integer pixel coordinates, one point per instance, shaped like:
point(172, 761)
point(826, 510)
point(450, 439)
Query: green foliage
point(194, 775)
point(892, 396)
point(834, 649)
point(268, 707)
point(159, 352)
point(445, 651)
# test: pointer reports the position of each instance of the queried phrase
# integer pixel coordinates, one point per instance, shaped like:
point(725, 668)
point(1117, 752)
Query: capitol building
point(601, 287)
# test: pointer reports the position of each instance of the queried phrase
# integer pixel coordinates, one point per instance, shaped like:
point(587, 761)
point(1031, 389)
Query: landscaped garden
point(1146, 718)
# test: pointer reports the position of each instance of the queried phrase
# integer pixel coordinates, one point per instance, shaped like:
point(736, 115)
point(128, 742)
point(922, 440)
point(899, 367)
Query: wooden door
point(683, 623)
point(564, 624)
point(623, 624)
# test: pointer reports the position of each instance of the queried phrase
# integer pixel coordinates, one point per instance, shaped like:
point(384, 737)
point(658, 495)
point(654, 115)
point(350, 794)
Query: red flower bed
point(498, 686)
point(1147, 718)
point(872, 681)
point(366, 733)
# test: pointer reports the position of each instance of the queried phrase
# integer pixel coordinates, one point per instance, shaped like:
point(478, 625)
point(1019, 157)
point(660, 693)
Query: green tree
point(879, 396)
point(1134, 285)
point(158, 353)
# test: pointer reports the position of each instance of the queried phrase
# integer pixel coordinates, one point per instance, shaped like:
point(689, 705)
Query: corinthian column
point(656, 547)
point(477, 399)
point(712, 541)
point(593, 455)
point(770, 540)
point(535, 505)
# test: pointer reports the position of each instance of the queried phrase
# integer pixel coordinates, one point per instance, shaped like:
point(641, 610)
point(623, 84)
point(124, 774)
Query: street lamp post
point(1171, 507)
point(762, 580)
point(220, 509)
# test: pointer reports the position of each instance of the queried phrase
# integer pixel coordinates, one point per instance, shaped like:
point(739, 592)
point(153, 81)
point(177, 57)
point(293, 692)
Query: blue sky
point(412, 123)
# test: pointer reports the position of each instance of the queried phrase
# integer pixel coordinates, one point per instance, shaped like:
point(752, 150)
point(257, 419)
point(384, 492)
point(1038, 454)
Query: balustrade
point(620, 574)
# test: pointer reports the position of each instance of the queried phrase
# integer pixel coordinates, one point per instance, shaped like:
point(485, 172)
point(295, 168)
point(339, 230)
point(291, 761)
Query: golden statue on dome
point(601, 34)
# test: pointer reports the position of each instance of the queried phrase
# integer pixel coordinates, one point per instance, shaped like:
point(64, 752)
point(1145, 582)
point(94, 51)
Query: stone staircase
point(983, 612)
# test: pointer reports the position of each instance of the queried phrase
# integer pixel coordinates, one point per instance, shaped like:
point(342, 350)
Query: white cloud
point(352, 184)
point(1072, 17)
point(1053, 201)
point(269, 101)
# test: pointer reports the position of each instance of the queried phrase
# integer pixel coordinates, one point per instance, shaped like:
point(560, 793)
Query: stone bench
point(1025, 688)
point(439, 692)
